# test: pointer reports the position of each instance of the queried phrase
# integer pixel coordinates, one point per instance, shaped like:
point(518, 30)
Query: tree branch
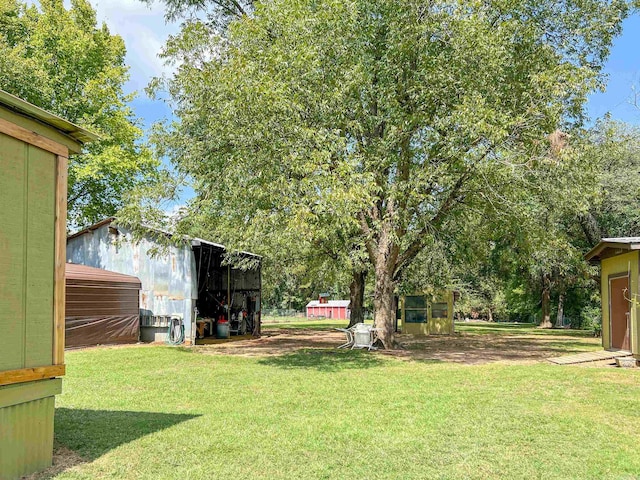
point(368, 240)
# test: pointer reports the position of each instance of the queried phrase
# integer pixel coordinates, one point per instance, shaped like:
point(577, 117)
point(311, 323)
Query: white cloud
point(144, 31)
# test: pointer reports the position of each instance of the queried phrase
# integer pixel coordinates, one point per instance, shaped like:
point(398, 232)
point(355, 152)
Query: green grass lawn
point(461, 327)
point(518, 329)
point(173, 413)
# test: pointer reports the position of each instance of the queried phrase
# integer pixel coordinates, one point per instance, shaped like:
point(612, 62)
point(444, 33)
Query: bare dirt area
point(479, 349)
point(462, 348)
point(63, 460)
point(277, 342)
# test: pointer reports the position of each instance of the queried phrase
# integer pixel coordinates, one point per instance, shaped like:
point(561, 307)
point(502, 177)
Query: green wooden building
point(426, 314)
point(34, 148)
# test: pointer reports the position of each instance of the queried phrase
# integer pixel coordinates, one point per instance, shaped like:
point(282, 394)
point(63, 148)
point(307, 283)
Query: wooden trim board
point(32, 138)
point(60, 260)
point(22, 375)
point(27, 392)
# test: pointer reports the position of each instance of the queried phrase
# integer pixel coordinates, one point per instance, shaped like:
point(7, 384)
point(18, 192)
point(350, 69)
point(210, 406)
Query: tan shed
point(426, 314)
point(102, 307)
point(34, 148)
point(619, 260)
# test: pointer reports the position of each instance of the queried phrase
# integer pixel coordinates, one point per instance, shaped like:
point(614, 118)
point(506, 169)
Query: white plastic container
point(362, 335)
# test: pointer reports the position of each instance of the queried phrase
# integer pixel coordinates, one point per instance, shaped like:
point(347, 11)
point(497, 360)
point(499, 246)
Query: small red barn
point(338, 309)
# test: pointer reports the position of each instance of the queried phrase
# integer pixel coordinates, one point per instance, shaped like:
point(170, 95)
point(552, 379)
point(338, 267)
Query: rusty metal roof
point(195, 242)
point(81, 274)
point(90, 228)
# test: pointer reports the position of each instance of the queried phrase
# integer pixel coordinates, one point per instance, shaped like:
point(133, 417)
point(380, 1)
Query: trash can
point(222, 328)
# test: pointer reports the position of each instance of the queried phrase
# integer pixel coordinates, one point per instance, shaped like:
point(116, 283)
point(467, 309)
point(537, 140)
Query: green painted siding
point(26, 427)
point(27, 194)
point(12, 244)
point(41, 199)
point(27, 275)
point(625, 263)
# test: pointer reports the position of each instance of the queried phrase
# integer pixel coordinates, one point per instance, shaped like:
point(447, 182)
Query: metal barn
point(188, 282)
point(34, 150)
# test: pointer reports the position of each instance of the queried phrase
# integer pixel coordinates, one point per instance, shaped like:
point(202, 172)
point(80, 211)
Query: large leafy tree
point(63, 61)
point(536, 257)
point(394, 117)
point(614, 151)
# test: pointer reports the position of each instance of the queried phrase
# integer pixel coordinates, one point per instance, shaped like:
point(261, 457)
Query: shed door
point(619, 312)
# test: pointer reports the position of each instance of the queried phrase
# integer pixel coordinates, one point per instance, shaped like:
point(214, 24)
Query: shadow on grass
point(429, 361)
point(92, 433)
point(324, 360)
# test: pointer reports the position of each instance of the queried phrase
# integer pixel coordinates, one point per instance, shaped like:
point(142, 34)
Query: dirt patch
point(63, 460)
point(470, 349)
point(486, 348)
point(277, 342)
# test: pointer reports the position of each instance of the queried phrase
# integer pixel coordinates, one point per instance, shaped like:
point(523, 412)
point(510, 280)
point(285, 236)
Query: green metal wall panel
point(13, 155)
point(40, 263)
point(26, 438)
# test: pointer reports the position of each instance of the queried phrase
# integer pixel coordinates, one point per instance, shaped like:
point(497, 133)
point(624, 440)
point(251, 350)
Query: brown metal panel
point(81, 274)
point(82, 301)
point(619, 312)
point(105, 330)
point(102, 307)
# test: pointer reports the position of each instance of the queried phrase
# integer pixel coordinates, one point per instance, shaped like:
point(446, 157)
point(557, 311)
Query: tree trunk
point(560, 311)
point(490, 314)
point(546, 302)
point(590, 228)
point(383, 301)
point(356, 297)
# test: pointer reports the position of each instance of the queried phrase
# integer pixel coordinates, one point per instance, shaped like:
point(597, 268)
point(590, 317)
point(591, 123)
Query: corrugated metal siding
point(168, 281)
point(26, 428)
point(91, 301)
point(27, 260)
point(84, 275)
point(26, 436)
point(102, 307)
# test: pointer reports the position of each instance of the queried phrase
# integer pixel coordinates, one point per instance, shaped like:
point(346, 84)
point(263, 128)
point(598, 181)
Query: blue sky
point(144, 31)
point(623, 69)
